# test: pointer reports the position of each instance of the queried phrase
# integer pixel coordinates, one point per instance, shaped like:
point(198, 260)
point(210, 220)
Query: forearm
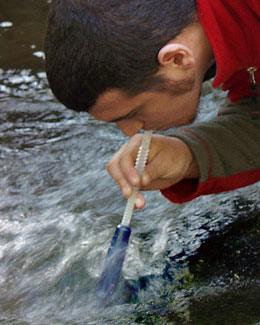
point(226, 150)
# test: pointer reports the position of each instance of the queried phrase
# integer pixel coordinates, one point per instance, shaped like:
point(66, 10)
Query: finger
point(140, 201)
point(121, 167)
point(128, 158)
point(113, 168)
point(167, 165)
point(157, 169)
point(159, 184)
point(127, 167)
point(158, 175)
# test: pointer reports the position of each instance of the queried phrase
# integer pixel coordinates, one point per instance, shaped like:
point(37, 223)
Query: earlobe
point(176, 54)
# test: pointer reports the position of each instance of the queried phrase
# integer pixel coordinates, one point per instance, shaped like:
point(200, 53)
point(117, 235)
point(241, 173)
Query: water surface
point(59, 208)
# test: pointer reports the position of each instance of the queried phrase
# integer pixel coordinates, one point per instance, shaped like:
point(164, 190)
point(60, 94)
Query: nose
point(130, 126)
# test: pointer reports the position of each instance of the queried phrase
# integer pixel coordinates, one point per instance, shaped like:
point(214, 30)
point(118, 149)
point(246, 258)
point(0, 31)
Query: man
point(141, 65)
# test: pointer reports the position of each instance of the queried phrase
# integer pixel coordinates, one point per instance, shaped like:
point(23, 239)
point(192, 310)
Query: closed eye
point(129, 115)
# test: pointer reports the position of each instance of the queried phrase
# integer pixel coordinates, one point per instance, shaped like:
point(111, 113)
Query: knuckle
point(109, 167)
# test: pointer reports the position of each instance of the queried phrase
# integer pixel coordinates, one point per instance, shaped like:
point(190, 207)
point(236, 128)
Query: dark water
point(59, 209)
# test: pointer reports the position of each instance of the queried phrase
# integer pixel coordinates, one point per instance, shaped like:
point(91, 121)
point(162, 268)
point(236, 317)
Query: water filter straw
point(140, 163)
point(117, 250)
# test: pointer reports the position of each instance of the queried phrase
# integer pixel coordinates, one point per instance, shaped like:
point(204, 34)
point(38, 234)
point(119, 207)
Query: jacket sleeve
point(227, 150)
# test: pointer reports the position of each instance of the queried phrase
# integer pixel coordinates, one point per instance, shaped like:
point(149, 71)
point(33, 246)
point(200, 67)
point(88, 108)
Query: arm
point(203, 158)
point(227, 151)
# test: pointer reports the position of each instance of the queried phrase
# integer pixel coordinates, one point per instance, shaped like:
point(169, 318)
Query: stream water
point(59, 208)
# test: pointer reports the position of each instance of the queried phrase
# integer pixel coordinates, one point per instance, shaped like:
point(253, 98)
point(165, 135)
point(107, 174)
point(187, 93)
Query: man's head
point(93, 46)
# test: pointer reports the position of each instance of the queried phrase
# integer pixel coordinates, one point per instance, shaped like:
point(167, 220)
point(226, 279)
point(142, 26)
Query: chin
point(192, 119)
point(188, 120)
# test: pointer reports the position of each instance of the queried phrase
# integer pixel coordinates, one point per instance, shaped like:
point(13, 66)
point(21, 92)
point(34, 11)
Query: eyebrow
point(130, 114)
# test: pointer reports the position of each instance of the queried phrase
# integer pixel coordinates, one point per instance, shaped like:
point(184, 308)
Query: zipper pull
point(255, 108)
point(252, 71)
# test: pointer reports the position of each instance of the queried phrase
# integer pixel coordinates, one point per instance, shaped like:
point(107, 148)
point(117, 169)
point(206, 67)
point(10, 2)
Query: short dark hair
point(94, 45)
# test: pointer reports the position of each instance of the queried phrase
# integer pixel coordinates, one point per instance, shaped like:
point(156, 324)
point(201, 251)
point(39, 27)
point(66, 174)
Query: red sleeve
point(188, 190)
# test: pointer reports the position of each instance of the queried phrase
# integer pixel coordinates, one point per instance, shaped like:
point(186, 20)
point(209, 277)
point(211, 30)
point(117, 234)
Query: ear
point(176, 54)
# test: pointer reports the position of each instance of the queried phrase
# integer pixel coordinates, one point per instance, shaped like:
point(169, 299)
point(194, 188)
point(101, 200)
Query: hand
point(170, 160)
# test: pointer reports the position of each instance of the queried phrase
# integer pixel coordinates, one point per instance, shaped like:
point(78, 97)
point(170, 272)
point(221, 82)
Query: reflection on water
point(22, 24)
point(24, 84)
point(59, 208)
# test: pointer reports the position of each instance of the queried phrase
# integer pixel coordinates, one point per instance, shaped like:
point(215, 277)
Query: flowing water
point(59, 208)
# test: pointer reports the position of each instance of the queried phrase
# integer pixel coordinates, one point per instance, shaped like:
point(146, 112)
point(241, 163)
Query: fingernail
point(126, 191)
point(138, 203)
point(134, 180)
point(145, 179)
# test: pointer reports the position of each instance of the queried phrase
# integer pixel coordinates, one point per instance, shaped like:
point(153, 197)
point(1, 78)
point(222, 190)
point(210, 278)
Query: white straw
point(139, 166)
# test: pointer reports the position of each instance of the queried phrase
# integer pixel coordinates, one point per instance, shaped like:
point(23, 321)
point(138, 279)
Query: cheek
point(191, 113)
point(182, 115)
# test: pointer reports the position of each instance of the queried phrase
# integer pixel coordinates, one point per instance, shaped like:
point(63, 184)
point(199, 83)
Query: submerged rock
point(221, 281)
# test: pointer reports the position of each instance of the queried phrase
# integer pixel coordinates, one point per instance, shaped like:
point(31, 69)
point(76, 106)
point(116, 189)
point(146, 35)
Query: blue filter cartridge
point(113, 263)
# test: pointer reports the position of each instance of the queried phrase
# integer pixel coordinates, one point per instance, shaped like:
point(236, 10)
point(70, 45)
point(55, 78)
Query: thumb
point(159, 174)
point(168, 165)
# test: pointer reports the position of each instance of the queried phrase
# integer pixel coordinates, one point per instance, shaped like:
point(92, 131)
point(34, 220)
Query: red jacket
point(233, 30)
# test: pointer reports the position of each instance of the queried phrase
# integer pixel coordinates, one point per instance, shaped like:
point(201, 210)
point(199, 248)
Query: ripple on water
point(24, 84)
